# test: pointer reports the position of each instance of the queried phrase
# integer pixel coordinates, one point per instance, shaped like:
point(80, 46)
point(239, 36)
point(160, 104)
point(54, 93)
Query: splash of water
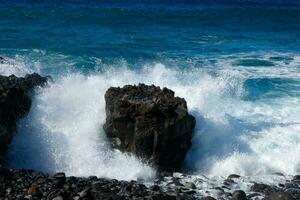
point(63, 132)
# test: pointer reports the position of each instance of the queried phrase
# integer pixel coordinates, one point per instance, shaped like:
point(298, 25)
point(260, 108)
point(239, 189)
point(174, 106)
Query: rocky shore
point(143, 120)
point(28, 184)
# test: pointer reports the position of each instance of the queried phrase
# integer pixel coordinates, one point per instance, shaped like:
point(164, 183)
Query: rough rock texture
point(239, 195)
point(149, 122)
point(1, 60)
point(15, 102)
point(28, 184)
point(281, 196)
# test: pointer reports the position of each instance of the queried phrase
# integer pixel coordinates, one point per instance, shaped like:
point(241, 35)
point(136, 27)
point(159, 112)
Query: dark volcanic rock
point(29, 184)
point(233, 176)
point(149, 122)
point(262, 188)
point(296, 178)
point(15, 102)
point(239, 195)
point(280, 196)
point(208, 198)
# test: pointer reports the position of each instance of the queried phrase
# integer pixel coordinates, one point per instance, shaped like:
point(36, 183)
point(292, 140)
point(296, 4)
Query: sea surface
point(237, 64)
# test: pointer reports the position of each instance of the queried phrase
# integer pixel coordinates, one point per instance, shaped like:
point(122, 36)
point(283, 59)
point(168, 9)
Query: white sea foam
point(16, 66)
point(63, 130)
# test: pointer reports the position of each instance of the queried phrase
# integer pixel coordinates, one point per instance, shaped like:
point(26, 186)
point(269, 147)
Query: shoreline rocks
point(149, 122)
point(15, 103)
point(29, 184)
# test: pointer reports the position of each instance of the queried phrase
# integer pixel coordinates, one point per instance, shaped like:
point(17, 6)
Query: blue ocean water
point(237, 63)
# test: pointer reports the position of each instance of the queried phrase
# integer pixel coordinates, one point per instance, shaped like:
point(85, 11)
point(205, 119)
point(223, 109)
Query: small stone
point(155, 188)
point(190, 185)
point(190, 192)
point(280, 196)
point(93, 178)
point(171, 196)
point(176, 181)
point(8, 190)
point(293, 191)
point(228, 182)
point(59, 175)
point(58, 198)
point(59, 179)
point(261, 188)
point(233, 176)
point(186, 197)
point(32, 189)
point(296, 178)
point(208, 198)
point(291, 185)
point(250, 196)
point(84, 192)
point(239, 195)
point(1, 60)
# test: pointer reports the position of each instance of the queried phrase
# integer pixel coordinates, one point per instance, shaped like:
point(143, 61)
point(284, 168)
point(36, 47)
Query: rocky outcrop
point(15, 103)
point(149, 122)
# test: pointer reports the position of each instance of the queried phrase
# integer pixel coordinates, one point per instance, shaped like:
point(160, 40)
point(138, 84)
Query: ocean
point(237, 64)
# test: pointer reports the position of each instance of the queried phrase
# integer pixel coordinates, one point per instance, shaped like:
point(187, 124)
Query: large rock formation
point(149, 122)
point(15, 102)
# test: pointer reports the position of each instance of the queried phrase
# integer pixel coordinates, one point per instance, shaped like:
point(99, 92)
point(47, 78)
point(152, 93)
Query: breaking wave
point(246, 106)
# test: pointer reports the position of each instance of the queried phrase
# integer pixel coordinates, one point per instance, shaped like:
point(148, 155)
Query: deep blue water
point(237, 63)
point(149, 31)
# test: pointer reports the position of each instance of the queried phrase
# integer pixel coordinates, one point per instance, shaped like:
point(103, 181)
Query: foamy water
point(63, 131)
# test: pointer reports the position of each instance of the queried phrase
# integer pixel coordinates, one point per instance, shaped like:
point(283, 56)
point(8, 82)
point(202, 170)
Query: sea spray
point(234, 134)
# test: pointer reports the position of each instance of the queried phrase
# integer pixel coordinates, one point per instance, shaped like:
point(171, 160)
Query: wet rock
point(84, 193)
point(239, 195)
point(32, 189)
point(190, 185)
point(295, 192)
point(228, 182)
point(186, 197)
point(208, 198)
point(155, 188)
point(296, 178)
point(58, 198)
point(2, 60)
point(171, 195)
point(262, 188)
point(15, 102)
point(254, 195)
point(149, 122)
point(233, 176)
point(292, 184)
point(59, 179)
point(280, 196)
